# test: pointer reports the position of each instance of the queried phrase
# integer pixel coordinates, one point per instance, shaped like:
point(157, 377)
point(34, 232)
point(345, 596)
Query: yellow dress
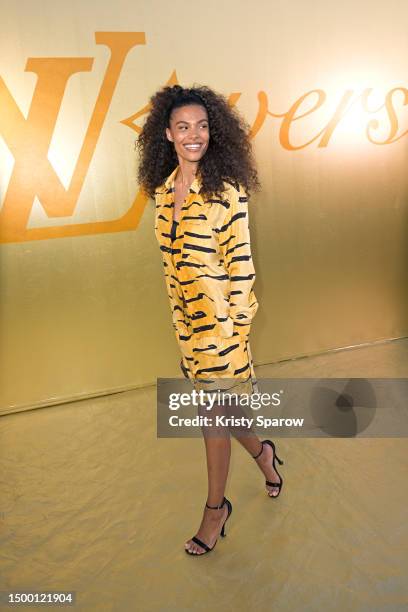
point(209, 275)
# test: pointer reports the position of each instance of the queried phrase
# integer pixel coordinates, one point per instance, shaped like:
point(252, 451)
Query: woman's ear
point(168, 134)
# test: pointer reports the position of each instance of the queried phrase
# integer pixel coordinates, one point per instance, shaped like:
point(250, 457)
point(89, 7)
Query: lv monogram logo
point(29, 139)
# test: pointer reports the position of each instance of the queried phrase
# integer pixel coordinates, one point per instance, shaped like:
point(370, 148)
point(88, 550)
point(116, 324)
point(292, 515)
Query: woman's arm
point(235, 246)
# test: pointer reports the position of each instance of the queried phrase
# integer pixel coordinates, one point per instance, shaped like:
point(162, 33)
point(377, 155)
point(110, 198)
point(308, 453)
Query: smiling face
point(189, 132)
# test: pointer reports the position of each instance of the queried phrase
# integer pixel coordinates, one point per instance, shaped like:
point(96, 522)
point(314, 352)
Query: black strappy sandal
point(272, 484)
point(223, 534)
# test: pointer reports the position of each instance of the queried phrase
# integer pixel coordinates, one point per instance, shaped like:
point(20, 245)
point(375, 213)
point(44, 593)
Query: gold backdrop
point(83, 304)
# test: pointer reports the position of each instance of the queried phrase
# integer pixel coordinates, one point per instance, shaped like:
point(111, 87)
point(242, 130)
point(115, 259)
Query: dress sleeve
point(235, 247)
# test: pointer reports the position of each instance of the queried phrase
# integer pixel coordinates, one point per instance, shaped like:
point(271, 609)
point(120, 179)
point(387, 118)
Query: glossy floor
point(92, 501)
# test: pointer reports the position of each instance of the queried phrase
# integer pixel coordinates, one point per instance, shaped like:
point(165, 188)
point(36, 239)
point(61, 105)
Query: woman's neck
point(186, 173)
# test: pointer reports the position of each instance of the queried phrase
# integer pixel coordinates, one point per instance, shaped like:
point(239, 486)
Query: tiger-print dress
point(209, 275)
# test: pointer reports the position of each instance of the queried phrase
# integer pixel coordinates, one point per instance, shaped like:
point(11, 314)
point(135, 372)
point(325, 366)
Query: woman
point(196, 161)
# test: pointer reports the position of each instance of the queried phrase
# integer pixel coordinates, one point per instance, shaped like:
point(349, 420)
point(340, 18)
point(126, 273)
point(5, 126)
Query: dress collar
point(169, 182)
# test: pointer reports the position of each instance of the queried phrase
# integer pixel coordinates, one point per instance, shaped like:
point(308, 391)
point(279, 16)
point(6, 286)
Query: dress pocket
point(196, 232)
point(221, 330)
point(208, 345)
point(198, 241)
point(212, 346)
point(227, 328)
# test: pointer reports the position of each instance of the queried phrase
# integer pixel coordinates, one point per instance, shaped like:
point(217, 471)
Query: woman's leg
point(218, 451)
point(253, 445)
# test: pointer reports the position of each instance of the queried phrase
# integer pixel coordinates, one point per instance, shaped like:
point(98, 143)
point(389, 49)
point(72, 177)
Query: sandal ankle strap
point(216, 507)
point(260, 452)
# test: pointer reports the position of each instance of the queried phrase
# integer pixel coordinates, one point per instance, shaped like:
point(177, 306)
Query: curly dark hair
point(229, 156)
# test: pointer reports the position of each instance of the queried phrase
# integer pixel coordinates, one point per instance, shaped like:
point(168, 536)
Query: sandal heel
point(223, 534)
point(279, 484)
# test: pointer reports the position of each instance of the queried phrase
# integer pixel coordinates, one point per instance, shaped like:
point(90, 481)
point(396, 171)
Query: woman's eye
point(184, 127)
